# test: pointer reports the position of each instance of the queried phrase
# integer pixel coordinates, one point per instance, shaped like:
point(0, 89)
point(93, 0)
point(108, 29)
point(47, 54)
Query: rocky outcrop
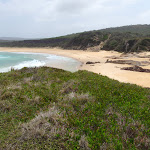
point(129, 62)
point(136, 68)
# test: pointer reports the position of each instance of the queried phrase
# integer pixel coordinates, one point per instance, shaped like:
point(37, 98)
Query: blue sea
point(9, 60)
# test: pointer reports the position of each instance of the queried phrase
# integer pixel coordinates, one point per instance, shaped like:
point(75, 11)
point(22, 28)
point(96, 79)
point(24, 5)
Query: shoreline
point(110, 70)
point(39, 51)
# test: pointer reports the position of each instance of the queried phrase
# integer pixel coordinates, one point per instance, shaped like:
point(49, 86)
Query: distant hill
point(123, 39)
point(2, 41)
point(140, 29)
point(12, 39)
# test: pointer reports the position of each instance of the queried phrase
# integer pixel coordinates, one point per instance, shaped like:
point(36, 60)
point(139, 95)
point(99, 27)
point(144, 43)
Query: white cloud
point(145, 15)
point(129, 2)
point(57, 17)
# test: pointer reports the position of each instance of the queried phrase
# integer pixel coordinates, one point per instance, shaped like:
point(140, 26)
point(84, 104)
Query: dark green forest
point(133, 38)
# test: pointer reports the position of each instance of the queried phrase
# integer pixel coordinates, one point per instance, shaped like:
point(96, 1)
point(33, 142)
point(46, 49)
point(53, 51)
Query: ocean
point(18, 60)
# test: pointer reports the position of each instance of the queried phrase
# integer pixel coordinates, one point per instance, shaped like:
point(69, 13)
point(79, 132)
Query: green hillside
point(51, 109)
point(140, 29)
point(134, 38)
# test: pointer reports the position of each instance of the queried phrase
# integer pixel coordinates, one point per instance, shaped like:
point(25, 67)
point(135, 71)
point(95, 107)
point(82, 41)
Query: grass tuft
point(69, 86)
point(84, 143)
point(42, 124)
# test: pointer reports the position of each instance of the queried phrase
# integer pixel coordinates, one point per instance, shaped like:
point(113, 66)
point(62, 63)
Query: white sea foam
point(41, 59)
point(33, 63)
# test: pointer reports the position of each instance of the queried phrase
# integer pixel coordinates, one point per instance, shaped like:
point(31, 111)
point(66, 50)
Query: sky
point(51, 18)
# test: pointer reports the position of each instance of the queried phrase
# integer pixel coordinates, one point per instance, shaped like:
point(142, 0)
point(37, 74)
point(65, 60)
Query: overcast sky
point(49, 18)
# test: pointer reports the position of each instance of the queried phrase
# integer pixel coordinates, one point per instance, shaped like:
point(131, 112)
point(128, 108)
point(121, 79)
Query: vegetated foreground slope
point(134, 38)
point(45, 108)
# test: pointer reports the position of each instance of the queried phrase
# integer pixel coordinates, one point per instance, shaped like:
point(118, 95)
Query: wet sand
point(110, 70)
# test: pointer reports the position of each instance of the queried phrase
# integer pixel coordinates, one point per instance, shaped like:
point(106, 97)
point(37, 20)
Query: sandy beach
point(111, 70)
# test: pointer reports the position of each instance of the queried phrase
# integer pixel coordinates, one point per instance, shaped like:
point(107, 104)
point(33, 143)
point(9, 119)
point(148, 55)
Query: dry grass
point(35, 100)
point(135, 131)
point(7, 95)
point(130, 131)
point(70, 86)
point(106, 146)
point(14, 86)
point(79, 98)
point(46, 124)
point(74, 100)
point(83, 143)
point(28, 80)
point(28, 70)
point(5, 106)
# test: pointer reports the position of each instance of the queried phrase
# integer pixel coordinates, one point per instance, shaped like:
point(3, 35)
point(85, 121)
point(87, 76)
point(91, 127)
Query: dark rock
point(129, 62)
point(136, 68)
point(89, 62)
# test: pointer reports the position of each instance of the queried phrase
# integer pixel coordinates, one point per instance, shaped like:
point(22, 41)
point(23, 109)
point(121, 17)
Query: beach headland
point(107, 63)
